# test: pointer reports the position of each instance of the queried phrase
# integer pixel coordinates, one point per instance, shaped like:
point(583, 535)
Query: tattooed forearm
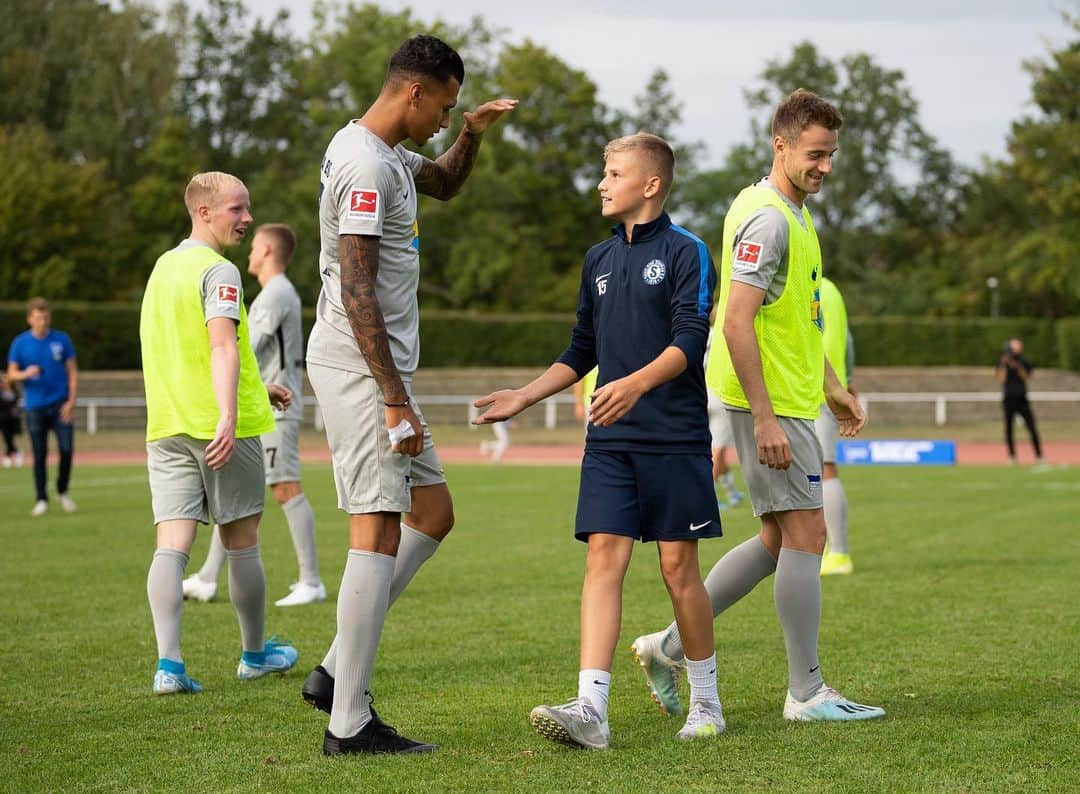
point(443, 178)
point(359, 258)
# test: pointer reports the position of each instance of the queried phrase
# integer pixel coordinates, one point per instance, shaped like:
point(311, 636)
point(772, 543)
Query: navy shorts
point(647, 496)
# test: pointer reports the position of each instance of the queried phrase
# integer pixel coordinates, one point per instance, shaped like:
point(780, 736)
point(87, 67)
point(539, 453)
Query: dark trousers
point(10, 429)
point(39, 421)
point(1021, 406)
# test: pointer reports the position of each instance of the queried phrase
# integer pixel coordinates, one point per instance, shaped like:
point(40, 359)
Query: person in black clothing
point(10, 424)
point(1013, 371)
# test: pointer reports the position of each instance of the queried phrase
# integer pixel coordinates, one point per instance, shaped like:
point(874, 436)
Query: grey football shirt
point(768, 228)
point(277, 338)
point(368, 188)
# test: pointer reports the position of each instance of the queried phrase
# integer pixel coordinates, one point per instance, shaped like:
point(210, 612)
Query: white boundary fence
point(940, 400)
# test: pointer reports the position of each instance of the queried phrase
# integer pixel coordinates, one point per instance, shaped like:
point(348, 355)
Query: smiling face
point(430, 103)
point(229, 215)
point(806, 161)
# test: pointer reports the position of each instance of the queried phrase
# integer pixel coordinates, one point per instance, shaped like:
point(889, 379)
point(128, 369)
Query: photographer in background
point(1013, 371)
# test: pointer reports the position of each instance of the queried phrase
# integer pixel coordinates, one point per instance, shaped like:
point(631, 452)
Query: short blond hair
point(204, 188)
point(655, 149)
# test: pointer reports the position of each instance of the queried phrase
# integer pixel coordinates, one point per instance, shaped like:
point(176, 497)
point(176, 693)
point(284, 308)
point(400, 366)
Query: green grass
point(961, 619)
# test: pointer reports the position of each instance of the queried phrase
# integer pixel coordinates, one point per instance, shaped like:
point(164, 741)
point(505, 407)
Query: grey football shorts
point(281, 449)
point(719, 426)
point(775, 490)
point(183, 486)
point(370, 477)
point(828, 432)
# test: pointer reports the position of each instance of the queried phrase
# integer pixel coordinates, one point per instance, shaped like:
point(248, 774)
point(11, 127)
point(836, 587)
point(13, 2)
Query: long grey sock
point(247, 590)
point(734, 575)
point(797, 593)
point(302, 528)
point(215, 558)
point(415, 549)
point(835, 499)
point(165, 591)
point(363, 600)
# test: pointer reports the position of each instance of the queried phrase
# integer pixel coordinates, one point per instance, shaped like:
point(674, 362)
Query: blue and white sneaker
point(172, 679)
point(829, 705)
point(275, 657)
point(661, 673)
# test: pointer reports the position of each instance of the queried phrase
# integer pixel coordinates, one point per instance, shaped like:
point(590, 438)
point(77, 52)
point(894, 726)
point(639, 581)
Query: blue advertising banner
point(911, 452)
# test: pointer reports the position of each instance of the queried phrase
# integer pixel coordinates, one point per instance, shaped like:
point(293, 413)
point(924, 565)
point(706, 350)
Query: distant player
point(497, 447)
point(363, 351)
point(722, 441)
point(583, 391)
point(277, 337)
point(205, 410)
point(772, 383)
point(840, 351)
point(643, 317)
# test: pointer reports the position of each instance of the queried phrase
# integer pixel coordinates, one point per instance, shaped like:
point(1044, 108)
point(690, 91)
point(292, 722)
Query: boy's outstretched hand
point(500, 405)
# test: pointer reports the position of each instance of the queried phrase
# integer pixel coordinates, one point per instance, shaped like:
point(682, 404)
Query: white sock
point(702, 675)
point(596, 686)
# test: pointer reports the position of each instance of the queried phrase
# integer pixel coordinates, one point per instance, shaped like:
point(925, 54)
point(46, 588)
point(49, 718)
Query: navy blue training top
point(637, 299)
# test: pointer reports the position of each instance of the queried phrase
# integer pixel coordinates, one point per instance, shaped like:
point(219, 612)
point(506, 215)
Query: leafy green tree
point(887, 207)
point(1019, 223)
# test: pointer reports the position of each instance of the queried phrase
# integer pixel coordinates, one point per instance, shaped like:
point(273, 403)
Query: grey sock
point(247, 590)
point(415, 549)
point(363, 599)
point(835, 515)
point(797, 592)
point(215, 558)
point(734, 575)
point(165, 591)
point(302, 528)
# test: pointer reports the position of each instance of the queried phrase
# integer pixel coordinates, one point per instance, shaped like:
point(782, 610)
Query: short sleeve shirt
point(768, 230)
point(368, 188)
point(51, 354)
point(276, 332)
point(220, 288)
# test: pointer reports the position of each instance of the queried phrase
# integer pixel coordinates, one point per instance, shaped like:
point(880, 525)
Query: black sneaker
point(318, 690)
point(375, 738)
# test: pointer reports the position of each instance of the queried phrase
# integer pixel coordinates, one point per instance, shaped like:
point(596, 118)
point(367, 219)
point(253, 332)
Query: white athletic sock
point(165, 592)
point(215, 558)
point(301, 520)
point(363, 599)
point(832, 494)
point(596, 686)
point(414, 550)
point(247, 590)
point(702, 676)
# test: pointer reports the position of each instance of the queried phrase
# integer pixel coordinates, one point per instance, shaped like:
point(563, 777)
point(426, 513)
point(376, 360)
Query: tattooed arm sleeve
point(359, 259)
point(443, 178)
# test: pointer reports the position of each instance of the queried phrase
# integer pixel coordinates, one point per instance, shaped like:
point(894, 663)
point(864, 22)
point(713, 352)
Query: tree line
point(106, 111)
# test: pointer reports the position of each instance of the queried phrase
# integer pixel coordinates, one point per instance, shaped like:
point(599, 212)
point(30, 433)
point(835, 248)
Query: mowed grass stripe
point(961, 620)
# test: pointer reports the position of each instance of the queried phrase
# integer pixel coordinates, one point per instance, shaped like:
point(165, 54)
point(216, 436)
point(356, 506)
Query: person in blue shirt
point(43, 360)
point(643, 318)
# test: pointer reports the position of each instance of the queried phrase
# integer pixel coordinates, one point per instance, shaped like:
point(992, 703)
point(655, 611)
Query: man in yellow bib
point(205, 410)
point(772, 374)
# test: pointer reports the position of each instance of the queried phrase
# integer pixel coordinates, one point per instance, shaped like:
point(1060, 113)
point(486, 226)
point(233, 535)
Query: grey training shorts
point(828, 433)
point(281, 449)
point(776, 490)
point(183, 486)
point(719, 426)
point(370, 477)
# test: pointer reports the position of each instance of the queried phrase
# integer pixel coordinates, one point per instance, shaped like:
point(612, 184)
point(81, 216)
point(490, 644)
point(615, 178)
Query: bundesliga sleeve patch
point(228, 296)
point(363, 203)
point(748, 253)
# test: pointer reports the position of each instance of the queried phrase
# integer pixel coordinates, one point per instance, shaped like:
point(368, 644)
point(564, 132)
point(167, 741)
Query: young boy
point(643, 317)
point(205, 411)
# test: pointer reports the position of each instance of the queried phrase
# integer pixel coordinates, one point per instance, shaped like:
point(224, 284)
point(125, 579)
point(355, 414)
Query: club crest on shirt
point(228, 296)
point(363, 202)
point(57, 351)
point(654, 272)
point(748, 253)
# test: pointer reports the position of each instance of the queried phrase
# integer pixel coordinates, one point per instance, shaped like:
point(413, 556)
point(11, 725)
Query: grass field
point(961, 620)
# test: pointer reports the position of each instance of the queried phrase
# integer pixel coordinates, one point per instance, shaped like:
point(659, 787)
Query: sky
point(962, 58)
